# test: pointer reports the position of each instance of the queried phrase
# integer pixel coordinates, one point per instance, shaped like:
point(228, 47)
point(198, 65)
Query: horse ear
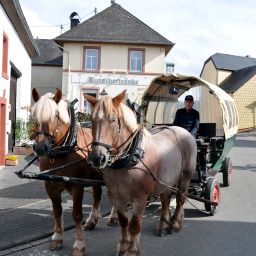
point(35, 95)
point(119, 98)
point(90, 99)
point(58, 95)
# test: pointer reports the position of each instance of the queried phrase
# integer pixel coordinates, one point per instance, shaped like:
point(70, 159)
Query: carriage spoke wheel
point(227, 171)
point(212, 193)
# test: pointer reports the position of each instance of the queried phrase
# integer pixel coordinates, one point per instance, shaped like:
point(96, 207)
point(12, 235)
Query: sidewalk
point(26, 210)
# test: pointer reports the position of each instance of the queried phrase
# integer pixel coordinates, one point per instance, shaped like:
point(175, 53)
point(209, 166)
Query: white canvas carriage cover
point(159, 91)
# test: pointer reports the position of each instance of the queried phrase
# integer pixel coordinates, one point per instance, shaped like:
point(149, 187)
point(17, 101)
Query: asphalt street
point(231, 231)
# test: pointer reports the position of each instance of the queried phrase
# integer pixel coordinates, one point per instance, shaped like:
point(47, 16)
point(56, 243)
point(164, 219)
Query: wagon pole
point(203, 200)
point(20, 172)
point(46, 175)
point(65, 179)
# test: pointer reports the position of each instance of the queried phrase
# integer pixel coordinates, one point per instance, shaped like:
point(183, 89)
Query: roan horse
point(52, 129)
point(138, 164)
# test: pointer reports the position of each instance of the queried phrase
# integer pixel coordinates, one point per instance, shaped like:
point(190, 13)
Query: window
point(91, 58)
point(136, 60)
point(5, 57)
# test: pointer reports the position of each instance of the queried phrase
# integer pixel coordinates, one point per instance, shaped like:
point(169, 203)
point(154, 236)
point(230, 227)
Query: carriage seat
point(202, 143)
point(207, 130)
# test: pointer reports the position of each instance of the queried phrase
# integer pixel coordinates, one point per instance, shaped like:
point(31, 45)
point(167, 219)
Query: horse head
point(52, 121)
point(113, 123)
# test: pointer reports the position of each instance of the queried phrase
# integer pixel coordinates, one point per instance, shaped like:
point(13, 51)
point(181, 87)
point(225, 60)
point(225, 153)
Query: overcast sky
point(199, 28)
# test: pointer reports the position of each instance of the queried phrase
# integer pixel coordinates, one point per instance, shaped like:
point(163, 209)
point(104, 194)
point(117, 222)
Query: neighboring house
point(17, 47)
point(47, 67)
point(237, 76)
point(110, 52)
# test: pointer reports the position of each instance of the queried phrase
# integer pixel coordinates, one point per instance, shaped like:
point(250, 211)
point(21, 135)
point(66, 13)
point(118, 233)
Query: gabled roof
point(16, 16)
point(50, 53)
point(237, 79)
point(115, 25)
point(230, 62)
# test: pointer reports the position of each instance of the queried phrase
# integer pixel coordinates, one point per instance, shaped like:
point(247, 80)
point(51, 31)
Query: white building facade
point(16, 49)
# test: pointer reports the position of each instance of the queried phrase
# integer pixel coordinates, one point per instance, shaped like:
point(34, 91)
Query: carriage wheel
point(212, 193)
point(227, 171)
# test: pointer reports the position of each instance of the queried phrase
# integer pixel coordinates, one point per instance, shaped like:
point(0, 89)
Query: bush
point(23, 131)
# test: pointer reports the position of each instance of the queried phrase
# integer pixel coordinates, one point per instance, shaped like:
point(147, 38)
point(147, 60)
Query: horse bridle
point(126, 145)
point(108, 146)
point(51, 137)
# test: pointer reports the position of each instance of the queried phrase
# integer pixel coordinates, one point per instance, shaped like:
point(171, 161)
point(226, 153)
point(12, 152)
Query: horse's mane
point(45, 109)
point(124, 112)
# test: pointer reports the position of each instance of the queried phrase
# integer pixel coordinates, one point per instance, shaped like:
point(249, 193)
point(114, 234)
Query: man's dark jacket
point(189, 120)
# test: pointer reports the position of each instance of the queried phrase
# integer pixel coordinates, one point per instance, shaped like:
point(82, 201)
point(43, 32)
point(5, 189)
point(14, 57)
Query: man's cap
point(189, 98)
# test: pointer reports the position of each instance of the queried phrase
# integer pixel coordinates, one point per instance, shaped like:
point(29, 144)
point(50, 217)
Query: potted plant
point(23, 144)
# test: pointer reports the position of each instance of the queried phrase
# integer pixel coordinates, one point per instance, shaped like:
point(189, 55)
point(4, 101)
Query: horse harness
point(69, 141)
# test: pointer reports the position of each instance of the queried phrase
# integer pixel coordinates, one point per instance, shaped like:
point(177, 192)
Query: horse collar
point(134, 154)
point(71, 137)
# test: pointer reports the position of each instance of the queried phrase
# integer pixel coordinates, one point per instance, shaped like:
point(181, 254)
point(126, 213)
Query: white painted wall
point(46, 79)
point(115, 57)
point(18, 55)
point(113, 65)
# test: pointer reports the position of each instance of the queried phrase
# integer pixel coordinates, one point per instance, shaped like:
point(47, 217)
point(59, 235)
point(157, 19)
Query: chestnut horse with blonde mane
point(166, 161)
point(52, 126)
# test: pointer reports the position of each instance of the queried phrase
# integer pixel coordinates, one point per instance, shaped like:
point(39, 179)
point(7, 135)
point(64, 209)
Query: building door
point(15, 75)
point(2, 129)
point(12, 113)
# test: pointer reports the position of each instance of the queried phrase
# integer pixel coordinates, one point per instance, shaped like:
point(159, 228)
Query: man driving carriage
point(187, 117)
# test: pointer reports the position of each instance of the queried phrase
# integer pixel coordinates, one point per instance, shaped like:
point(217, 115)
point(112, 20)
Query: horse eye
point(113, 120)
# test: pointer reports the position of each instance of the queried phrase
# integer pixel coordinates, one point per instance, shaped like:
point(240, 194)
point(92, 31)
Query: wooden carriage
point(217, 130)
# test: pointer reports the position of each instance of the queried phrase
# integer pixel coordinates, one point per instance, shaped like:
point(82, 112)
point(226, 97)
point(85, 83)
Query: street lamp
point(103, 93)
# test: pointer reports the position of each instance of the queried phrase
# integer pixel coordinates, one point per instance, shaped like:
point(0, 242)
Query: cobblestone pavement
point(26, 210)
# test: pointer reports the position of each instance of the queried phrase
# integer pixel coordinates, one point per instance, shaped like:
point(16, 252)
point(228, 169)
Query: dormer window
point(91, 58)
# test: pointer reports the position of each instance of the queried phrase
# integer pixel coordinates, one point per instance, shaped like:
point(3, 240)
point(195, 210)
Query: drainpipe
point(68, 87)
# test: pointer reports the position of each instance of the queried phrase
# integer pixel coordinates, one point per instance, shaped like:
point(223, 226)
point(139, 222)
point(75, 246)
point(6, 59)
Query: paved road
point(230, 232)
point(26, 210)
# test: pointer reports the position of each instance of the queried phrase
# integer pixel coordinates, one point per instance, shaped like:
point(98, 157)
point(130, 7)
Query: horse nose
point(41, 148)
point(98, 160)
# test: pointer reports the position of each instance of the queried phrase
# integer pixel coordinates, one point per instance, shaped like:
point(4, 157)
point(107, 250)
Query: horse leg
point(124, 243)
point(57, 237)
point(113, 217)
point(77, 213)
point(178, 216)
point(164, 223)
point(129, 245)
point(94, 216)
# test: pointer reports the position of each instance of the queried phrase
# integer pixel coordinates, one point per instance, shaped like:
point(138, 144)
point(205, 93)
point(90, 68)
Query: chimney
point(74, 19)
point(113, 1)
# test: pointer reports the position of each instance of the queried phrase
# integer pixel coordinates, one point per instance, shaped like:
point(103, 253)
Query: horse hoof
point(77, 252)
point(133, 253)
point(175, 226)
point(163, 232)
point(113, 222)
point(121, 254)
point(56, 245)
point(89, 226)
